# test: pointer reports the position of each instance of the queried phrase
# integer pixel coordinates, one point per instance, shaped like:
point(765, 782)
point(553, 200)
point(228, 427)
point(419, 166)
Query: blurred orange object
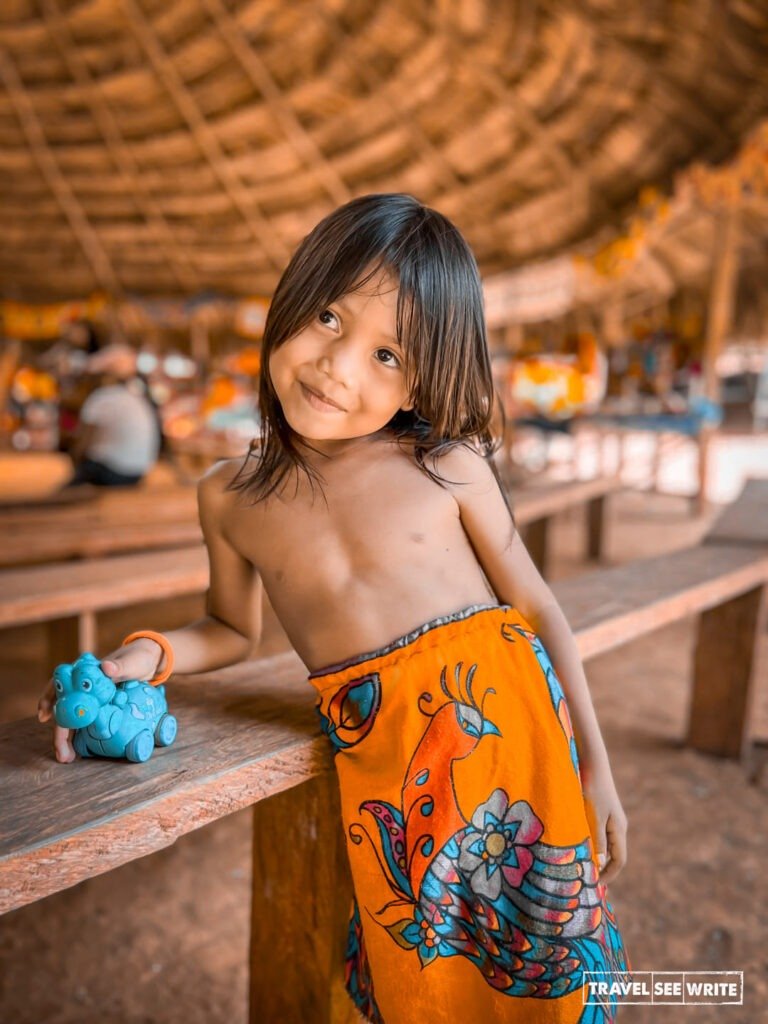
point(31, 385)
point(247, 361)
point(558, 386)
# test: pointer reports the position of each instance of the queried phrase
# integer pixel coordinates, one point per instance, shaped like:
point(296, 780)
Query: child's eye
point(329, 318)
point(388, 358)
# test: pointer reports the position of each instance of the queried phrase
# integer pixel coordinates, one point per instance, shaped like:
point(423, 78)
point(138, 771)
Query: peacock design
point(530, 916)
point(510, 632)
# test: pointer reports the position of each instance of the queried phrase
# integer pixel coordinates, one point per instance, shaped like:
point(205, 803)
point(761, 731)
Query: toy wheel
point(165, 733)
point(80, 743)
point(140, 747)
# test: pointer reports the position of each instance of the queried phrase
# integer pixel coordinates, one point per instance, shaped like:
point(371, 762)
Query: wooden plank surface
point(249, 731)
point(536, 501)
point(608, 607)
point(107, 524)
point(40, 593)
point(245, 733)
point(103, 506)
point(744, 521)
point(25, 547)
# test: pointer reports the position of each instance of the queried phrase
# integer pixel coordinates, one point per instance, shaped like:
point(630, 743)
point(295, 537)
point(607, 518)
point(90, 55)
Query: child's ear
point(407, 405)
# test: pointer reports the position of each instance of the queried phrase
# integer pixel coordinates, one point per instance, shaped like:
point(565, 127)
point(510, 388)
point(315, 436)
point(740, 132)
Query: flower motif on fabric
point(496, 849)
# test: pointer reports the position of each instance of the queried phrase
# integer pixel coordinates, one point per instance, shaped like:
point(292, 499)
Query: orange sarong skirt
point(475, 875)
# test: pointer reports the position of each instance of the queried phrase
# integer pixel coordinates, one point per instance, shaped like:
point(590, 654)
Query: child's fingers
point(62, 738)
point(62, 744)
point(137, 660)
point(45, 704)
point(617, 847)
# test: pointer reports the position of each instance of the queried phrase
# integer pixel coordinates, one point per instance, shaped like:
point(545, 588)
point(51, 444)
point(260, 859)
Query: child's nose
point(340, 362)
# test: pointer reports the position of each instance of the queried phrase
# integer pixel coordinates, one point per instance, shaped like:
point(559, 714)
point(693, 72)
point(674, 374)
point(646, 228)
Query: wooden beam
point(130, 173)
point(204, 136)
point(721, 296)
point(43, 155)
point(258, 72)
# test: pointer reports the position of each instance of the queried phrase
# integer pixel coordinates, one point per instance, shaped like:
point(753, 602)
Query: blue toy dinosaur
point(111, 719)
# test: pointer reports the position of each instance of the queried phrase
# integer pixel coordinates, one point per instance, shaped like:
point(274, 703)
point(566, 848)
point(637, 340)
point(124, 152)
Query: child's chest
point(373, 522)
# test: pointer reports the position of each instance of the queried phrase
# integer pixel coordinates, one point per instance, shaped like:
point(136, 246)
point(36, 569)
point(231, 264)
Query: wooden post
point(9, 360)
point(67, 638)
point(721, 296)
point(536, 538)
point(595, 528)
point(302, 895)
point(703, 441)
point(725, 663)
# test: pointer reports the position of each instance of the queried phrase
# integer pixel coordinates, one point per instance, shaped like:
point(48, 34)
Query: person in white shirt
point(120, 436)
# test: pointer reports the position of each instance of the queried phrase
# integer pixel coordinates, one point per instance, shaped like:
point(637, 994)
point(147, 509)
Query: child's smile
point(343, 376)
point(319, 400)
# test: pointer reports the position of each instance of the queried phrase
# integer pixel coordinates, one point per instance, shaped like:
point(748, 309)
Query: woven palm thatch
point(171, 146)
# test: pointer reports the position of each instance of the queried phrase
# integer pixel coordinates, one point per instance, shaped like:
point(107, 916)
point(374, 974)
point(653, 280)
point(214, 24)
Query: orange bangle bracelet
point(164, 642)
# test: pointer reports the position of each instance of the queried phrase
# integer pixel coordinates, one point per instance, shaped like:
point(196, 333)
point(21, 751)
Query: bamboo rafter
point(42, 153)
point(204, 136)
point(130, 173)
point(261, 77)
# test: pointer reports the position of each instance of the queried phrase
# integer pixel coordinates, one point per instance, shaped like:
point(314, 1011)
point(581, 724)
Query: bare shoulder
point(214, 487)
point(465, 470)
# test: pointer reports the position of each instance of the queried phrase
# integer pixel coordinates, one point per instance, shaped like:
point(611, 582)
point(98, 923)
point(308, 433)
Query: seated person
point(119, 437)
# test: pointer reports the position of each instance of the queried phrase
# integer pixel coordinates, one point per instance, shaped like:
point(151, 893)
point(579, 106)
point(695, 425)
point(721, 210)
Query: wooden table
point(117, 521)
point(69, 596)
point(535, 505)
point(28, 476)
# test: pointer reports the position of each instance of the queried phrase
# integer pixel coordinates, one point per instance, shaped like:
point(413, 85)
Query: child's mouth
point(317, 402)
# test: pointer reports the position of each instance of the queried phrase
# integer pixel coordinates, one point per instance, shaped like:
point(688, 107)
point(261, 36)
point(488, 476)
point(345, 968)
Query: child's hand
point(608, 823)
point(138, 660)
point(62, 738)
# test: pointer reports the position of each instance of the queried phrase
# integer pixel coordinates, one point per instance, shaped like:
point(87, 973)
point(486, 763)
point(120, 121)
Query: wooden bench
point(248, 736)
point(111, 523)
point(744, 521)
point(69, 595)
point(536, 505)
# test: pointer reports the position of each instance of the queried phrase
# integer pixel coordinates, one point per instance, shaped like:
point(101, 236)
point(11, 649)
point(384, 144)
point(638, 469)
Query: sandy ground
point(164, 940)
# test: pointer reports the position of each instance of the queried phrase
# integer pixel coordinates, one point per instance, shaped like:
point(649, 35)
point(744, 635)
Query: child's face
point(343, 376)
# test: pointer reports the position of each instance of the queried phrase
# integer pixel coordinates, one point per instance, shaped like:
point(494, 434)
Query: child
point(372, 515)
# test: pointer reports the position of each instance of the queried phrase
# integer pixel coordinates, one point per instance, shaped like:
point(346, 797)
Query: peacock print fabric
point(475, 876)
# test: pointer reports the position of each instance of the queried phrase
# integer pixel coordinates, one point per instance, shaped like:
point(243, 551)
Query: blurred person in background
point(120, 435)
point(67, 360)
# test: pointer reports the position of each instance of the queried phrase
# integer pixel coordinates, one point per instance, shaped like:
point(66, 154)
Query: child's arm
point(226, 634)
point(232, 624)
point(516, 581)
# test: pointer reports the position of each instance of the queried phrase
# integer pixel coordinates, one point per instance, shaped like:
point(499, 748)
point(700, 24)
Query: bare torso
point(385, 554)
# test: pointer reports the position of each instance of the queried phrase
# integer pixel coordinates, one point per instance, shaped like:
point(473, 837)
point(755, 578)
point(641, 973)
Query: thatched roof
point(171, 146)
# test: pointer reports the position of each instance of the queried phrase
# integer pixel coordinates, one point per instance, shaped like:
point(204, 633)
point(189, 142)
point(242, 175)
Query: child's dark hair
point(440, 326)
